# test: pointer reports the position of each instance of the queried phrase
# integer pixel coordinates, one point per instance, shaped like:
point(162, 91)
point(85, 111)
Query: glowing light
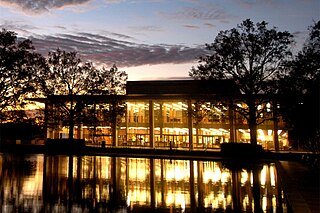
point(268, 107)
point(177, 174)
point(137, 196)
point(263, 176)
point(264, 203)
point(243, 131)
point(128, 199)
point(32, 185)
point(177, 198)
point(214, 176)
point(223, 130)
point(225, 176)
point(272, 176)
point(244, 177)
point(261, 137)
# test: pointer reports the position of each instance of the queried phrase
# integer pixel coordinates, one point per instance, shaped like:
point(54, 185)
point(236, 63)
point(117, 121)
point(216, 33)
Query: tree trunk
point(275, 126)
point(71, 127)
point(71, 124)
point(114, 134)
point(252, 122)
point(256, 187)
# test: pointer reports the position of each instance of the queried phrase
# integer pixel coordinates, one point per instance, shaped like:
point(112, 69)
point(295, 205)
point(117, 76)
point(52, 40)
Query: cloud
point(200, 12)
point(191, 26)
point(102, 49)
point(19, 27)
point(299, 33)
point(59, 27)
point(209, 25)
point(40, 6)
point(146, 28)
point(249, 4)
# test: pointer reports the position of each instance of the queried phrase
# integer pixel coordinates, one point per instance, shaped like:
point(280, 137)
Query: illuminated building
point(170, 114)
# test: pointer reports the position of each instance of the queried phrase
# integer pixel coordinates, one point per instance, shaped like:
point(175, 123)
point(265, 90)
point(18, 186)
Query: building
point(162, 114)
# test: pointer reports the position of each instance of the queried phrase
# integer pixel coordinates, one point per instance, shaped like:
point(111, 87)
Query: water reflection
point(40, 183)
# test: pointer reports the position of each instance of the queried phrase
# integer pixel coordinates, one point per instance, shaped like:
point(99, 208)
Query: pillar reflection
point(84, 183)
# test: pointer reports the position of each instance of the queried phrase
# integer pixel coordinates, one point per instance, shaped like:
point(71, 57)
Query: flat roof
point(182, 87)
point(167, 89)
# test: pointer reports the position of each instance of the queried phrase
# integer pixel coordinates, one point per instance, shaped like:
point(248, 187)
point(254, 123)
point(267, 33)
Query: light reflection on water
point(42, 183)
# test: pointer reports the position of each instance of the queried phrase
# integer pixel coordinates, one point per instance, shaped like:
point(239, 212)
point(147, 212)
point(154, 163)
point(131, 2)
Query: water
point(42, 183)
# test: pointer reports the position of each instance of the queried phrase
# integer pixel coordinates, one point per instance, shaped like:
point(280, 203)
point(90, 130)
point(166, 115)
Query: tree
point(65, 74)
point(251, 55)
point(301, 82)
point(15, 63)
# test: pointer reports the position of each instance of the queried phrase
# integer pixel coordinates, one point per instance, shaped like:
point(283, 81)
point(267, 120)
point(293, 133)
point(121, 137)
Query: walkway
point(301, 186)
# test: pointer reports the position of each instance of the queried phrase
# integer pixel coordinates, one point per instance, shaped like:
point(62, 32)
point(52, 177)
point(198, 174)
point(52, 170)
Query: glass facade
point(172, 124)
point(137, 128)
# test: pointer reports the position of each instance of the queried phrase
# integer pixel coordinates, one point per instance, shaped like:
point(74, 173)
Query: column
point(50, 133)
point(152, 183)
point(163, 202)
point(200, 186)
point(115, 135)
point(275, 126)
point(161, 120)
point(236, 178)
point(151, 123)
point(192, 190)
point(114, 193)
point(127, 125)
point(256, 187)
point(232, 124)
point(268, 189)
point(190, 124)
point(80, 131)
point(46, 133)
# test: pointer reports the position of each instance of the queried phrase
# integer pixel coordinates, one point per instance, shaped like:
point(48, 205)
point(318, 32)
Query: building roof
point(182, 87)
point(171, 89)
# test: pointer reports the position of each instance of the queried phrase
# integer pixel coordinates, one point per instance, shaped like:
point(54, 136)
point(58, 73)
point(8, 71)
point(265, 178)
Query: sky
point(149, 39)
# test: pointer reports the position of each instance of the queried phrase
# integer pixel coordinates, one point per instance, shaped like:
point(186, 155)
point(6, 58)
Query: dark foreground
point(301, 186)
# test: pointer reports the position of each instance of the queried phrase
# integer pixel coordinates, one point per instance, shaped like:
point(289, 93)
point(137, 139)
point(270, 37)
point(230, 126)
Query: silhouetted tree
point(66, 75)
point(300, 83)
point(15, 63)
point(250, 55)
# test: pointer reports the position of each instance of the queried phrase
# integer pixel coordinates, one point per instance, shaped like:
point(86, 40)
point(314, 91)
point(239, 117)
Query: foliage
point(114, 111)
point(213, 110)
point(251, 55)
point(301, 83)
point(108, 82)
point(16, 59)
point(66, 75)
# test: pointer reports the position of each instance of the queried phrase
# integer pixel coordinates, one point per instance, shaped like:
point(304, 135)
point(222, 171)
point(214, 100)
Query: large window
point(171, 124)
point(138, 123)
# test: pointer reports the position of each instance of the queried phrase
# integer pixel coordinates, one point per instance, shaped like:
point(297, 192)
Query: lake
point(58, 183)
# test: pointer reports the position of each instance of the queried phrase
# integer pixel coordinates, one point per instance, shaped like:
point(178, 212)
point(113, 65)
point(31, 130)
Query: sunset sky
point(149, 39)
